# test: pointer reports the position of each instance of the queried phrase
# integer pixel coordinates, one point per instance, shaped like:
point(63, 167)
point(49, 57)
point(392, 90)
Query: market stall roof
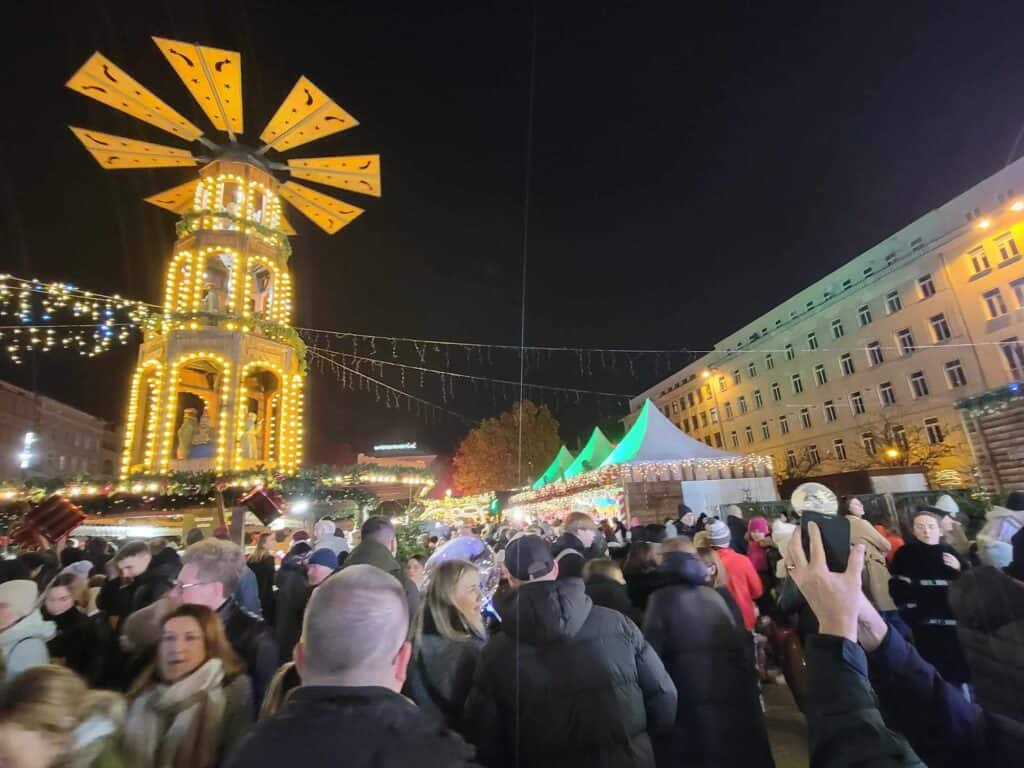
point(594, 452)
point(654, 438)
point(554, 472)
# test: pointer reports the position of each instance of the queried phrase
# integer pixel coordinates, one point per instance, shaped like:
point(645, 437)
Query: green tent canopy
point(654, 438)
point(594, 452)
point(555, 470)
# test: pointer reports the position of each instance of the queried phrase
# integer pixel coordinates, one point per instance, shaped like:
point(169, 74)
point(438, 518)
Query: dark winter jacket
point(264, 570)
point(920, 587)
point(989, 608)
point(253, 641)
point(845, 728)
point(588, 686)
point(737, 533)
point(358, 727)
point(570, 554)
point(711, 660)
point(376, 554)
point(119, 600)
point(940, 724)
point(82, 644)
point(290, 603)
point(640, 586)
point(441, 675)
point(609, 593)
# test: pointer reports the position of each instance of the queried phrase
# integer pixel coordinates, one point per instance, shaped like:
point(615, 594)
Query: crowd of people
point(603, 644)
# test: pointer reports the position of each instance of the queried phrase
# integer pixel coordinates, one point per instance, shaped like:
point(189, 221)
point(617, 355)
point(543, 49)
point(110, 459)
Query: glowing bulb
point(1017, 206)
point(984, 223)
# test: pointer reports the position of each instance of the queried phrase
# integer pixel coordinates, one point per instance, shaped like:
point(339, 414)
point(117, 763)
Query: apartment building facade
point(44, 438)
point(864, 367)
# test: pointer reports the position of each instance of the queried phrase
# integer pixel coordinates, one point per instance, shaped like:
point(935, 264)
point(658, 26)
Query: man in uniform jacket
point(565, 682)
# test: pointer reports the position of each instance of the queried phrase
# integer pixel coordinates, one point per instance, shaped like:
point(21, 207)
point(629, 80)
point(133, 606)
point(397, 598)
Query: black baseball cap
point(528, 558)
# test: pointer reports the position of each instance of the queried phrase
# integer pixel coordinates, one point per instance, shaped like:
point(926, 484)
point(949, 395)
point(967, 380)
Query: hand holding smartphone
point(835, 536)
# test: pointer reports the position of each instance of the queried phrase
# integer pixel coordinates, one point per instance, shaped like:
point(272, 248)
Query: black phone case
point(835, 535)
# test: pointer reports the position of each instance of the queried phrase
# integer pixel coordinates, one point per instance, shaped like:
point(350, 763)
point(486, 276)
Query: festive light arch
point(282, 379)
point(149, 428)
point(171, 399)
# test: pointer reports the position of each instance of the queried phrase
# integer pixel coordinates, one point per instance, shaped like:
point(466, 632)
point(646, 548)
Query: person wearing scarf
point(922, 572)
point(191, 706)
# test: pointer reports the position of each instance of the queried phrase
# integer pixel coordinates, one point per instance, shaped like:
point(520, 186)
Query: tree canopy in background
point(487, 459)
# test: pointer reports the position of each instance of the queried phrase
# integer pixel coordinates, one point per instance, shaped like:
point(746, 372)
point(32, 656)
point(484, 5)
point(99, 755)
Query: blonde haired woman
point(49, 718)
point(448, 635)
point(190, 707)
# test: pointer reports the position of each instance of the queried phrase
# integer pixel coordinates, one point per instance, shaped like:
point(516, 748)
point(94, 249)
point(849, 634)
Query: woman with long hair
point(642, 573)
point(77, 644)
point(50, 719)
point(189, 707)
point(448, 635)
point(261, 562)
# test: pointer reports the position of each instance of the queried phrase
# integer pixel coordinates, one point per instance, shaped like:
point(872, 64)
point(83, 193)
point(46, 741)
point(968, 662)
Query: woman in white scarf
point(191, 706)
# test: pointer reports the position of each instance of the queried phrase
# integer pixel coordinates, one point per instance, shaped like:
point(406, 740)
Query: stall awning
point(654, 438)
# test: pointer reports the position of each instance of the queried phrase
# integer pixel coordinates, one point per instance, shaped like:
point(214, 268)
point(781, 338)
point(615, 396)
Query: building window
point(819, 375)
point(1018, 291)
point(875, 357)
point(812, 340)
point(714, 415)
point(955, 376)
point(890, 259)
point(790, 354)
point(979, 260)
point(758, 402)
point(940, 327)
point(839, 449)
point(1013, 351)
point(721, 383)
point(830, 411)
point(689, 397)
point(892, 302)
point(791, 459)
point(743, 404)
point(899, 436)
point(718, 439)
point(728, 410)
point(864, 315)
point(686, 425)
point(736, 377)
point(994, 304)
point(886, 394)
point(765, 432)
point(752, 369)
point(918, 384)
point(857, 403)
point(783, 425)
point(769, 361)
point(707, 391)
point(703, 418)
point(805, 418)
point(776, 392)
point(813, 456)
point(847, 284)
point(750, 434)
point(933, 430)
point(798, 385)
point(906, 341)
point(846, 364)
point(735, 439)
point(925, 286)
point(868, 441)
point(1007, 248)
point(837, 328)
point(675, 407)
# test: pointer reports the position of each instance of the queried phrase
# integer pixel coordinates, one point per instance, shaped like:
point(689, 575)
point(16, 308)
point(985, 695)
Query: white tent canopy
point(654, 438)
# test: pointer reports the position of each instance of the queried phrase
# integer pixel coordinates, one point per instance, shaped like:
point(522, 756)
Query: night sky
point(691, 168)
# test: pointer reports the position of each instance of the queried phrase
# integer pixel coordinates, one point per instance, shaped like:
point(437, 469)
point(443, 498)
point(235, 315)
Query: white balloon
point(472, 550)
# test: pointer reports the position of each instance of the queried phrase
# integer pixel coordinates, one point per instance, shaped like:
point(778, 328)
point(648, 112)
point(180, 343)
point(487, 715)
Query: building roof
point(594, 452)
point(654, 438)
point(554, 471)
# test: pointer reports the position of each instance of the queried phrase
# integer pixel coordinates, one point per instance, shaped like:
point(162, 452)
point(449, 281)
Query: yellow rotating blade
point(328, 213)
point(120, 153)
point(214, 78)
point(100, 79)
point(306, 114)
point(356, 173)
point(178, 199)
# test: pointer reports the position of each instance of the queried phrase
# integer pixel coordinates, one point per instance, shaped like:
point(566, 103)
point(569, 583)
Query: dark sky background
point(692, 167)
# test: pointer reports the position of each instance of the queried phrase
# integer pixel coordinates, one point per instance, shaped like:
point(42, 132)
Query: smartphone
point(835, 535)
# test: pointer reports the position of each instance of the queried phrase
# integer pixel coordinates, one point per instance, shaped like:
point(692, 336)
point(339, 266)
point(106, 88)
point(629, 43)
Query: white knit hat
point(946, 504)
point(20, 594)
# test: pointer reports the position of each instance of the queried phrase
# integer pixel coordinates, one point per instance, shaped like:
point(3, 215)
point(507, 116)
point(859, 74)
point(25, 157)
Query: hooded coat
point(588, 687)
point(23, 644)
point(711, 660)
point(989, 608)
point(79, 643)
point(374, 553)
point(920, 587)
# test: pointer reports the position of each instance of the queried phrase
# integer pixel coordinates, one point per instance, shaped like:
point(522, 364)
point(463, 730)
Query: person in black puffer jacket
point(565, 683)
point(711, 659)
point(989, 608)
point(606, 586)
point(290, 599)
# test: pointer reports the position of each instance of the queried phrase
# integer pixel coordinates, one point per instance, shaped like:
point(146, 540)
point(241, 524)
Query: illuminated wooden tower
point(220, 379)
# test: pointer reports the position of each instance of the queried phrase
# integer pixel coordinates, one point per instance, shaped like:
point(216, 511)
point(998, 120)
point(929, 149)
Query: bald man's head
point(354, 631)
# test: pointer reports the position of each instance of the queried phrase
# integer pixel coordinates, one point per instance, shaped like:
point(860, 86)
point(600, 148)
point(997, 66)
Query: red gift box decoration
point(54, 517)
point(265, 503)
